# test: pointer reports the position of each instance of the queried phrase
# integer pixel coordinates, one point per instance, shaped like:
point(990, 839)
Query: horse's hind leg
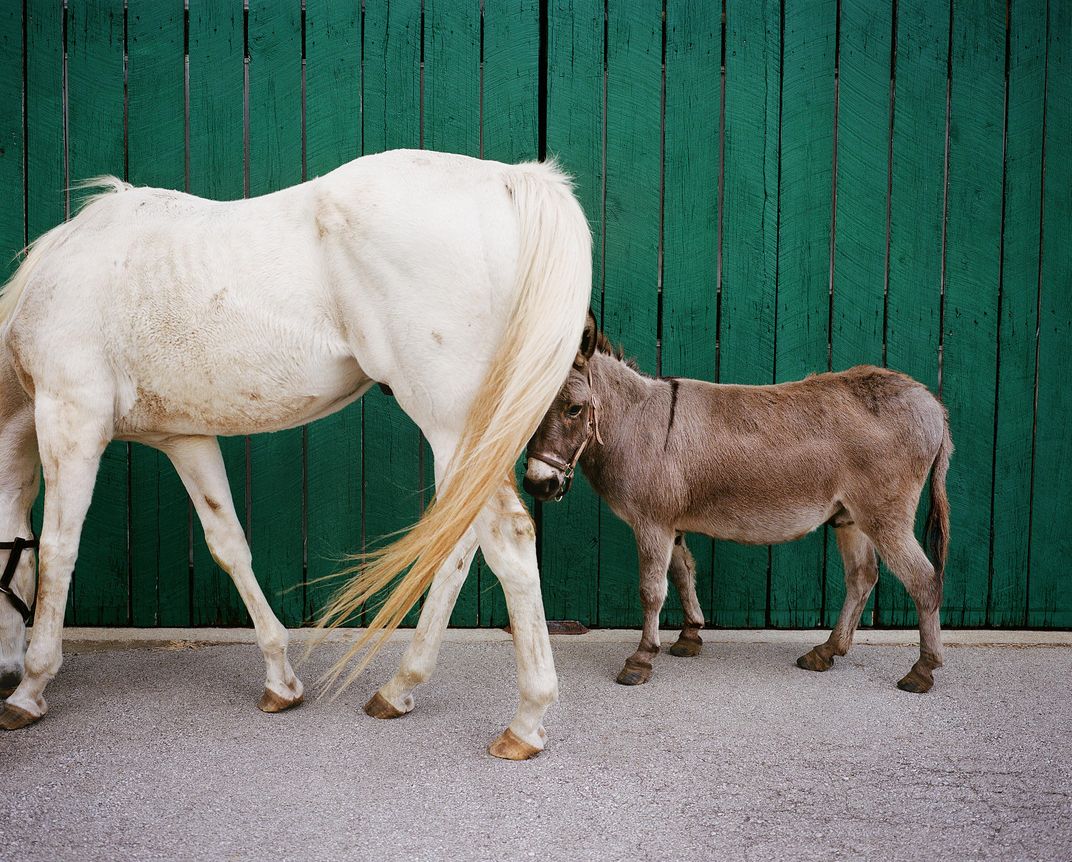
point(508, 540)
point(200, 466)
point(654, 548)
point(861, 575)
point(683, 574)
point(71, 441)
point(396, 697)
point(907, 560)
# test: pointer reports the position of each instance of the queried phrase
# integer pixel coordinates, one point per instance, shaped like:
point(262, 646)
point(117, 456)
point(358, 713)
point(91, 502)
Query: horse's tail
point(41, 247)
point(936, 533)
point(551, 292)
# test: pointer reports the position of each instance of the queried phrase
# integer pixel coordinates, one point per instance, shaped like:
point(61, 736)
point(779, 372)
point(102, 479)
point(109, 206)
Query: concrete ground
point(153, 749)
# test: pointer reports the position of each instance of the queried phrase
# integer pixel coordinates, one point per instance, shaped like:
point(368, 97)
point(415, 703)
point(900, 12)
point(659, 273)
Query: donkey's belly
point(752, 525)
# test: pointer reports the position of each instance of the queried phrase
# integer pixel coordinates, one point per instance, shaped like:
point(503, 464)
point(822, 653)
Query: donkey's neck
point(624, 395)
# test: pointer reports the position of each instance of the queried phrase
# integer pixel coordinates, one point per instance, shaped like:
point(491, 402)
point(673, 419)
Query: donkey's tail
point(936, 534)
point(542, 334)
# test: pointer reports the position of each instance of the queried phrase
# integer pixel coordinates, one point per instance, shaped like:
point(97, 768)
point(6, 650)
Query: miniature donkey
point(759, 465)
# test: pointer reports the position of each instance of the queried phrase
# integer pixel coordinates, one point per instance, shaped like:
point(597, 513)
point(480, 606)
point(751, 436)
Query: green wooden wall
point(775, 187)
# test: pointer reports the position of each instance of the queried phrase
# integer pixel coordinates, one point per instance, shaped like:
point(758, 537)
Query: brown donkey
point(758, 465)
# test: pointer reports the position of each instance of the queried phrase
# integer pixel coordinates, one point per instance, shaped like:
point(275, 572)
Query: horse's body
point(759, 465)
point(158, 317)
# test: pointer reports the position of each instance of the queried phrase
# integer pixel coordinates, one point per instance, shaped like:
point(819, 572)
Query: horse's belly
point(230, 399)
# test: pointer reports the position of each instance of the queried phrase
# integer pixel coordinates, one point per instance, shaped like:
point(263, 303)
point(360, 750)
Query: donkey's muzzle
point(543, 489)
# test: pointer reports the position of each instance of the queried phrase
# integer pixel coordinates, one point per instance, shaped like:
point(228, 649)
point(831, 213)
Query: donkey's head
point(568, 427)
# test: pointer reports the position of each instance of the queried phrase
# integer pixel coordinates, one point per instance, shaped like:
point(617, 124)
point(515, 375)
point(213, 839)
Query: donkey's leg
point(907, 560)
point(683, 574)
point(200, 466)
point(508, 540)
point(396, 697)
point(71, 440)
point(655, 547)
point(861, 575)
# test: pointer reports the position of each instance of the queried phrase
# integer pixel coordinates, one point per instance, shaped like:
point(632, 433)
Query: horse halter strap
point(16, 547)
point(592, 431)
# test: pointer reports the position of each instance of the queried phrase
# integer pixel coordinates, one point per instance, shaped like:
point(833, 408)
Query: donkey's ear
point(588, 341)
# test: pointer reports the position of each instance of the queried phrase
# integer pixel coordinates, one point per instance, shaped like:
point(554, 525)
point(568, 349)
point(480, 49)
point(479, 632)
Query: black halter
point(17, 547)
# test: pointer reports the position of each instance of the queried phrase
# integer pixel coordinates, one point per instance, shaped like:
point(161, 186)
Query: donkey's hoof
point(815, 660)
point(916, 681)
point(634, 674)
point(380, 707)
point(509, 746)
point(273, 702)
point(13, 717)
point(686, 647)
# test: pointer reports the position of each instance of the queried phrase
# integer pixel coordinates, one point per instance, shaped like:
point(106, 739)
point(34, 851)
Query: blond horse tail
point(551, 292)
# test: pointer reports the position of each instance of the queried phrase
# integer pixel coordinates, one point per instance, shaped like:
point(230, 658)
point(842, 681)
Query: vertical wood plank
point(569, 569)
point(631, 299)
point(94, 147)
point(156, 150)
point(690, 219)
point(973, 243)
point(1018, 323)
point(452, 125)
point(510, 134)
point(858, 314)
point(13, 213)
point(916, 219)
point(1049, 588)
point(275, 162)
point(217, 166)
point(803, 291)
point(333, 444)
point(46, 147)
point(391, 117)
point(749, 251)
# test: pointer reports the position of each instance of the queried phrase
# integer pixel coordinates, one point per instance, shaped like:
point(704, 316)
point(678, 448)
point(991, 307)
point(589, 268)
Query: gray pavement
point(156, 751)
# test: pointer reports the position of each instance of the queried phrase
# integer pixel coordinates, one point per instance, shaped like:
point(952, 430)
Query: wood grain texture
point(333, 445)
point(690, 221)
point(275, 162)
point(13, 213)
point(917, 209)
point(863, 140)
point(391, 118)
point(156, 153)
point(631, 290)
point(569, 563)
point(804, 232)
point(94, 147)
point(510, 133)
point(1018, 323)
point(1049, 587)
point(452, 124)
point(749, 260)
point(217, 166)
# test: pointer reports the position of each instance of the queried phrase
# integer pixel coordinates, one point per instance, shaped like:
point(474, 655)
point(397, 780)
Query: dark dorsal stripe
point(673, 381)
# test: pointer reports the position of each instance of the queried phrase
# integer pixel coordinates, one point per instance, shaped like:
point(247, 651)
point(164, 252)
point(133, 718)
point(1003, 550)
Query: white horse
point(166, 319)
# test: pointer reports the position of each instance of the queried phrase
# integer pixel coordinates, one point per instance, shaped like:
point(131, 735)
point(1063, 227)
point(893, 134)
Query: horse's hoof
point(509, 746)
point(380, 707)
point(13, 717)
point(814, 660)
point(634, 675)
point(916, 682)
point(683, 647)
point(272, 702)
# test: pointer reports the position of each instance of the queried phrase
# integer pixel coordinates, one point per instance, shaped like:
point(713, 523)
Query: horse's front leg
point(508, 539)
point(654, 548)
point(71, 440)
point(200, 466)
point(396, 697)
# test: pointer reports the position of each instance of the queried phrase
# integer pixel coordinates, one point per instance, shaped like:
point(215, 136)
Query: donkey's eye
point(574, 411)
